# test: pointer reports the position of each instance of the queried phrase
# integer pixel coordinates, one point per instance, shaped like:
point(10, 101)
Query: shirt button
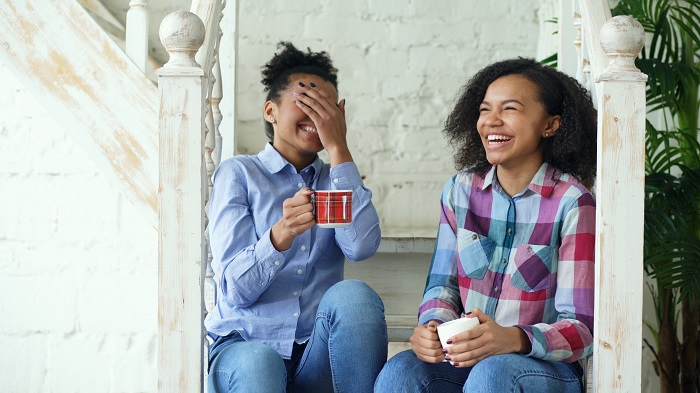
point(504, 260)
point(300, 271)
point(496, 290)
point(263, 283)
point(474, 237)
point(296, 314)
point(510, 231)
point(529, 249)
point(303, 248)
point(336, 180)
point(300, 185)
point(277, 263)
point(295, 293)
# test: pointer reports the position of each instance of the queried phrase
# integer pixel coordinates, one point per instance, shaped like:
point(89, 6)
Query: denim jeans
point(405, 373)
point(345, 352)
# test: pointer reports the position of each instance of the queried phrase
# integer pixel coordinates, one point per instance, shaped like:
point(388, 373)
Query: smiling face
point(512, 123)
point(295, 136)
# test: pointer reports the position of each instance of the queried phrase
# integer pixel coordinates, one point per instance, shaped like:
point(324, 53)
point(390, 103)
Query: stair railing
point(605, 49)
point(190, 151)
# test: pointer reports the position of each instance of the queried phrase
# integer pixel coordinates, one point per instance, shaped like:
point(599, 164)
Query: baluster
point(577, 44)
point(137, 33)
point(212, 153)
point(217, 95)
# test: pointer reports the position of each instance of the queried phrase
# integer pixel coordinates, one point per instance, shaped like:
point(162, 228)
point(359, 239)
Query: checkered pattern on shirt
point(526, 261)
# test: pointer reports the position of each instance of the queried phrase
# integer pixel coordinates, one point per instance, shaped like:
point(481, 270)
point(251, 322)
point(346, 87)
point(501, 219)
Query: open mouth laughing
point(497, 139)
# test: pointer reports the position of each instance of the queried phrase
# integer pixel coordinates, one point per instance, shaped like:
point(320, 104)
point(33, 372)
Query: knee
point(491, 374)
point(400, 374)
point(353, 293)
point(247, 359)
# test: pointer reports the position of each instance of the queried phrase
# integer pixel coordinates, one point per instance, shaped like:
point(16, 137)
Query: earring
point(546, 135)
point(272, 120)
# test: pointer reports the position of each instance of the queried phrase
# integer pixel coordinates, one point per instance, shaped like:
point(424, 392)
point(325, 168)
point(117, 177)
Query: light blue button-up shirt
point(266, 295)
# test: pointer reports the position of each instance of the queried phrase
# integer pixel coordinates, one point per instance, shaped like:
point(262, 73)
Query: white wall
point(78, 265)
point(400, 65)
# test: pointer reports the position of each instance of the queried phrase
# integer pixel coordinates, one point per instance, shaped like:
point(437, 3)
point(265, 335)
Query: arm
point(241, 260)
point(361, 239)
point(570, 337)
point(441, 298)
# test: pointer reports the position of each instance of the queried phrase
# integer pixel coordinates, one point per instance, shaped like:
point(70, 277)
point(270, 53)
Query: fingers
point(297, 212)
point(317, 102)
point(477, 313)
point(341, 106)
point(480, 342)
point(425, 343)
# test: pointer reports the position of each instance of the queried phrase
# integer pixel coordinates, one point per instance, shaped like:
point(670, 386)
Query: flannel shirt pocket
point(475, 252)
point(534, 267)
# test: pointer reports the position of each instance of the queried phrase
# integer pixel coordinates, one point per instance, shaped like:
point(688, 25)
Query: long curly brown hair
point(572, 149)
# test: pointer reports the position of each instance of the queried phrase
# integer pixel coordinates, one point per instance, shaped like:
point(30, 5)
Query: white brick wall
point(400, 65)
point(78, 265)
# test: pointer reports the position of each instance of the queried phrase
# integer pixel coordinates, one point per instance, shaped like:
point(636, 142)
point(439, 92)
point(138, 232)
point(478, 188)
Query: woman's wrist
point(523, 344)
point(278, 240)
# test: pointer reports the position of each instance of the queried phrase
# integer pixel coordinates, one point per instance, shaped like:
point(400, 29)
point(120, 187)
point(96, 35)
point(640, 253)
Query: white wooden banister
point(91, 87)
point(137, 33)
point(617, 347)
point(594, 13)
point(182, 86)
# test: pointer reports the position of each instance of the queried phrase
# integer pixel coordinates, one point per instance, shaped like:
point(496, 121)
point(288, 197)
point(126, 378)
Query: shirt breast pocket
point(475, 252)
point(534, 267)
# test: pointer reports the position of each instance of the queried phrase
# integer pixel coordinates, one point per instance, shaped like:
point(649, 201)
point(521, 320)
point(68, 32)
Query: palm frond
point(676, 265)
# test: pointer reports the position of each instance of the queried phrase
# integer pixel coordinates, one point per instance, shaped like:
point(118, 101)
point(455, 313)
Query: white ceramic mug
point(450, 329)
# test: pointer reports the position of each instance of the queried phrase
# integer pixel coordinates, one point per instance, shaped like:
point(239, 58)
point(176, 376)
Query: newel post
point(617, 359)
point(181, 196)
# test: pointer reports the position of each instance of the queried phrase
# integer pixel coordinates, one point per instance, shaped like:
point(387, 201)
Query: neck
point(515, 180)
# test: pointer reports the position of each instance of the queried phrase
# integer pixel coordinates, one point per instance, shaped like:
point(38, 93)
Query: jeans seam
point(540, 373)
point(323, 315)
point(426, 382)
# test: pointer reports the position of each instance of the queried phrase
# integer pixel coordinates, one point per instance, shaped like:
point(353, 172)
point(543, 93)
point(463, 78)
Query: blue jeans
point(405, 373)
point(345, 352)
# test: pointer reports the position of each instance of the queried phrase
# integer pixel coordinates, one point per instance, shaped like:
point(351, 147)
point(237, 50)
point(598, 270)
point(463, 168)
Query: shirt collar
point(542, 183)
point(273, 161)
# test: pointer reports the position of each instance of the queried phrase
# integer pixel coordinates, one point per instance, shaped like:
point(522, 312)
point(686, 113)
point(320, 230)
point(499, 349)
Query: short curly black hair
point(572, 149)
point(289, 61)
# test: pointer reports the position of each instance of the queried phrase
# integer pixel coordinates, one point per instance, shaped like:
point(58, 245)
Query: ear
point(270, 111)
point(552, 126)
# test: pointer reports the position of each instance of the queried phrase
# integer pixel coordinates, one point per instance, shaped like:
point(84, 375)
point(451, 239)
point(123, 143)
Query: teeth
point(498, 138)
point(309, 129)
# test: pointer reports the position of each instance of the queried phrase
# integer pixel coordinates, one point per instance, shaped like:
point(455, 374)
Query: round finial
point(622, 38)
point(181, 33)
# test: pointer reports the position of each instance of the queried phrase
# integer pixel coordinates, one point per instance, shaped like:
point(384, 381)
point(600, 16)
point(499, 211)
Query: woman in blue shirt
point(284, 319)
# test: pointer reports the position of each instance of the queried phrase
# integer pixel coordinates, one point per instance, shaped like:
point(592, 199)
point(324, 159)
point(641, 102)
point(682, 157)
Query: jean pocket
point(475, 252)
point(533, 265)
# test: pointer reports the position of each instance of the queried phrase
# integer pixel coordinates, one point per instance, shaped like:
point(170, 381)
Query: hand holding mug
point(297, 218)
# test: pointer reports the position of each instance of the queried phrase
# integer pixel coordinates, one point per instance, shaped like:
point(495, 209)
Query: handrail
point(181, 195)
point(189, 153)
point(68, 62)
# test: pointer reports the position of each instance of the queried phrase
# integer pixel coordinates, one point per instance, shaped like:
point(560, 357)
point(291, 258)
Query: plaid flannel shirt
point(526, 261)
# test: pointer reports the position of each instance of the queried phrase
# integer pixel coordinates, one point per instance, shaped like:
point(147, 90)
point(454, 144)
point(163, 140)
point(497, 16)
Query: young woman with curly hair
point(515, 244)
point(284, 319)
